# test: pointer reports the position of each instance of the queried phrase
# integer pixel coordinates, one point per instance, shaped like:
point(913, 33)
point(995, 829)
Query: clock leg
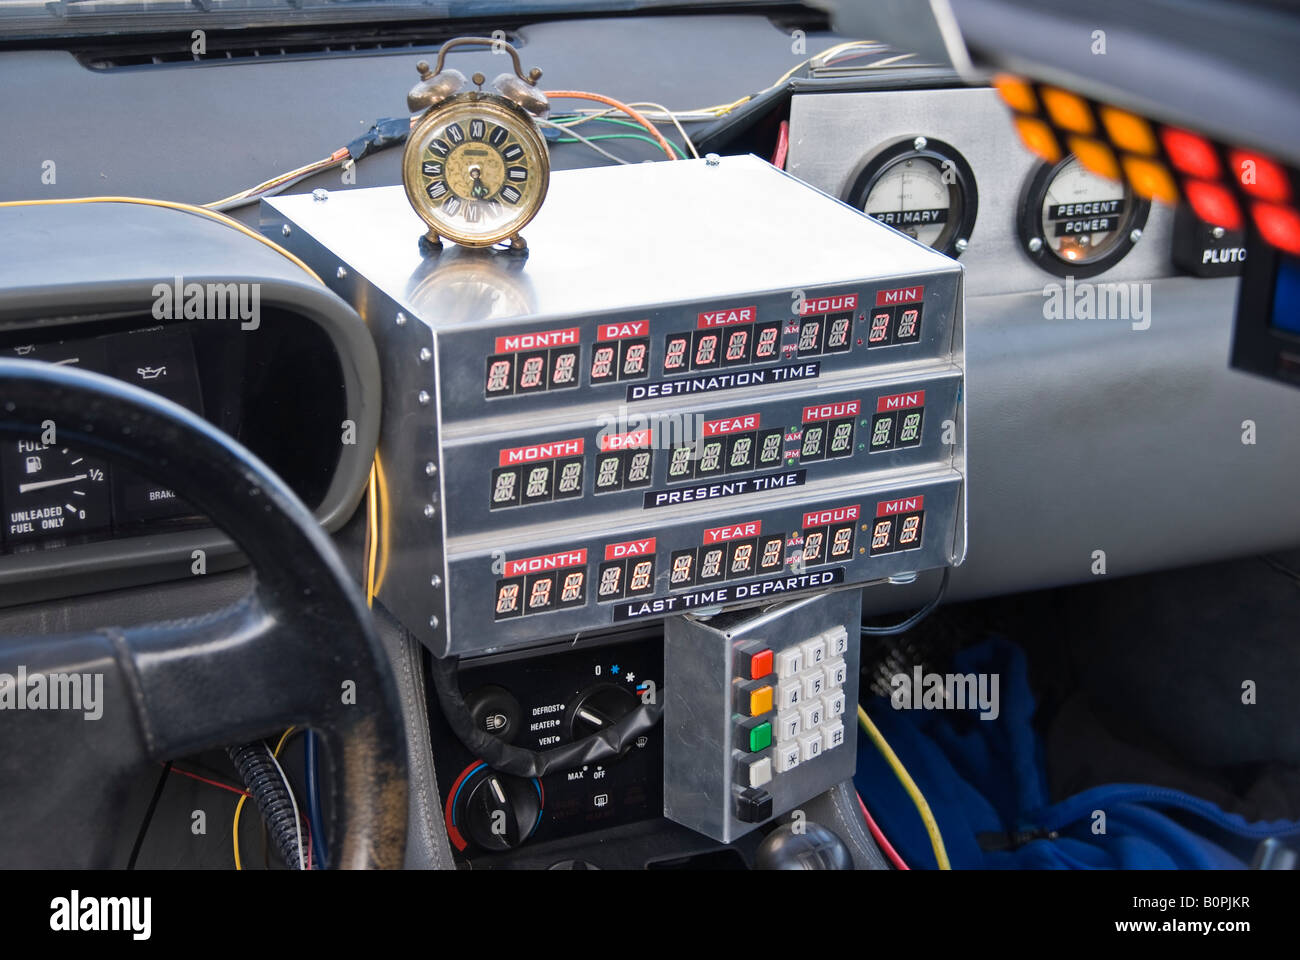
point(430, 243)
point(517, 244)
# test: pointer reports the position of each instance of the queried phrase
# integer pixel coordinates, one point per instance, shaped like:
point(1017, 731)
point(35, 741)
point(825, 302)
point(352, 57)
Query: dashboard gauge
point(1076, 223)
point(923, 188)
point(53, 492)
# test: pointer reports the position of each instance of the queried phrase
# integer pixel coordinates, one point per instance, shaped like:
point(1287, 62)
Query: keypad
point(795, 713)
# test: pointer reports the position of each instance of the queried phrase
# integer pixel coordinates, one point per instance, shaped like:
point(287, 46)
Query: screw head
point(1218, 233)
point(285, 230)
point(435, 581)
point(1135, 236)
point(430, 469)
point(320, 194)
point(433, 622)
point(423, 397)
point(401, 319)
point(341, 272)
point(430, 511)
point(1035, 244)
point(961, 244)
point(920, 143)
point(425, 354)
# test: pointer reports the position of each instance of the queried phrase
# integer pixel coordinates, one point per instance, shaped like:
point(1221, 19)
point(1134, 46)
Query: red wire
point(782, 145)
point(881, 841)
point(215, 783)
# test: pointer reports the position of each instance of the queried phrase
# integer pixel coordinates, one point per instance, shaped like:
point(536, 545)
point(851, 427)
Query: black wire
point(915, 618)
point(148, 814)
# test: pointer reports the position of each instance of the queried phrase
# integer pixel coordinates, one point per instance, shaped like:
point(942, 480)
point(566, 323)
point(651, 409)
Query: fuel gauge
point(52, 492)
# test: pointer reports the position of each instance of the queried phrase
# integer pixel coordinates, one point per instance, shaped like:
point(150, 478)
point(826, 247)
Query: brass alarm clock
point(476, 167)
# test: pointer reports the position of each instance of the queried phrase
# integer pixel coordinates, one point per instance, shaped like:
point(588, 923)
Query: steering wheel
point(300, 648)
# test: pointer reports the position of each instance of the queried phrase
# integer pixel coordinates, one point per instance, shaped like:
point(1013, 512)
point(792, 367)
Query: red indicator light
point(1213, 203)
point(1279, 226)
point(1191, 154)
point(1260, 176)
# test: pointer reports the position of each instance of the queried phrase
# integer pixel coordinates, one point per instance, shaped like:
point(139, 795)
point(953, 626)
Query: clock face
point(476, 170)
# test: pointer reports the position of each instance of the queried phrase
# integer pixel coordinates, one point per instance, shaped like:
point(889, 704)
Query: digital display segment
point(898, 525)
point(537, 473)
point(533, 363)
point(827, 430)
point(893, 320)
point(828, 535)
point(897, 422)
point(624, 462)
point(543, 584)
point(727, 445)
point(729, 337)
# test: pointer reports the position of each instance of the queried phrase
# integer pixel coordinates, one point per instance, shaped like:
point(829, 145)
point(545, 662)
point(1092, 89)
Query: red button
point(760, 664)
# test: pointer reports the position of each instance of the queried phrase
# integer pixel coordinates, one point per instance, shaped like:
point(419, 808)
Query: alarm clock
point(476, 166)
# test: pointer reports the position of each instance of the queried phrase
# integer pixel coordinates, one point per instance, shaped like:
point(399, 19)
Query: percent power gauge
point(1076, 223)
point(922, 187)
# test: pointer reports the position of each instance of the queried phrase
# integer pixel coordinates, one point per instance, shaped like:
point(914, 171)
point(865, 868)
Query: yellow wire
point(239, 807)
point(373, 528)
point(913, 791)
point(173, 205)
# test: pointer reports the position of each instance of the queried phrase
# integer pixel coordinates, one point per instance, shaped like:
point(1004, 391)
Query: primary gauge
point(1076, 223)
point(922, 187)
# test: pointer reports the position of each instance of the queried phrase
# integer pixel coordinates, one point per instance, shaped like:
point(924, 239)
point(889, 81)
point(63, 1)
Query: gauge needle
point(42, 484)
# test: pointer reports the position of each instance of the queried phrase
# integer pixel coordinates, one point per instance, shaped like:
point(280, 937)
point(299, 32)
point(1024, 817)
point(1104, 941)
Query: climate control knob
point(496, 811)
point(598, 708)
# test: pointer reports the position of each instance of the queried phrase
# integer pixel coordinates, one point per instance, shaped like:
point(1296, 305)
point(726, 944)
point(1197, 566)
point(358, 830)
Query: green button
point(760, 737)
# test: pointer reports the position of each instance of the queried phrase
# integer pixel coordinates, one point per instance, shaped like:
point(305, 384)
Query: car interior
point(730, 435)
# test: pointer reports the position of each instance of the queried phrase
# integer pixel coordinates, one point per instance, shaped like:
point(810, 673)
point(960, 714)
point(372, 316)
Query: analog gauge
point(476, 170)
point(922, 187)
point(1076, 223)
point(52, 492)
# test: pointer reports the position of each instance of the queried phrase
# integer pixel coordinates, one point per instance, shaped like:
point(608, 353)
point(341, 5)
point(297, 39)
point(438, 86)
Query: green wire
point(624, 136)
point(620, 136)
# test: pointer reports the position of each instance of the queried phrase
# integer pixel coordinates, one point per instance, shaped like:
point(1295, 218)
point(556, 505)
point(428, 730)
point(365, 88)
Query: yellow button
point(760, 701)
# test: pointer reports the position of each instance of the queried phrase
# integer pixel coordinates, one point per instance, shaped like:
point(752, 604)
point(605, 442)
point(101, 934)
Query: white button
point(760, 772)
point(814, 653)
point(789, 693)
point(836, 672)
point(834, 735)
point(834, 705)
point(810, 746)
point(787, 758)
point(788, 663)
point(788, 726)
point(839, 643)
point(814, 684)
point(812, 715)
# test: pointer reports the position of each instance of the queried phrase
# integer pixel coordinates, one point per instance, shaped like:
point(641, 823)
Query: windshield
point(64, 18)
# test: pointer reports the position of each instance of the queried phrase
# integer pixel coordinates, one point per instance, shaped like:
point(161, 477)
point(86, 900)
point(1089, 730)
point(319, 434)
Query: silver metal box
point(532, 404)
point(706, 757)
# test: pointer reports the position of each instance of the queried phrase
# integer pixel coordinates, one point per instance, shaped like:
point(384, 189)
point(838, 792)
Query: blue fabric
point(989, 777)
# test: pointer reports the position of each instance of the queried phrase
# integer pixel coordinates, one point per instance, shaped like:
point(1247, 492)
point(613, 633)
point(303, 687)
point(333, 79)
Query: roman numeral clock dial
point(476, 168)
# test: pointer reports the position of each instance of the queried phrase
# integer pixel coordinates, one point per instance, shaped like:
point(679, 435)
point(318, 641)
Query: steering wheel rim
point(250, 669)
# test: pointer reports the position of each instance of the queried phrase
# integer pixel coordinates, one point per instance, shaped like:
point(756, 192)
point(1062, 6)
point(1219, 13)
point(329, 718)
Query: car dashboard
point(650, 474)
